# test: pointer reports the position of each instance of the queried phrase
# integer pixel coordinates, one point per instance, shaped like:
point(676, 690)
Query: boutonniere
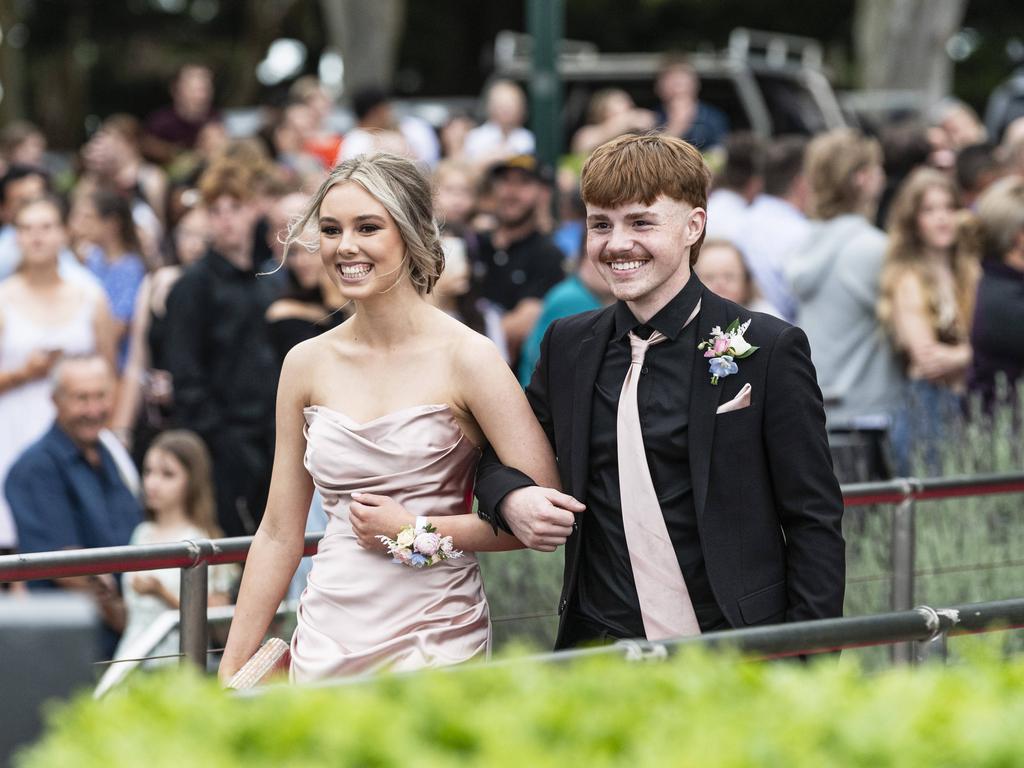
point(725, 348)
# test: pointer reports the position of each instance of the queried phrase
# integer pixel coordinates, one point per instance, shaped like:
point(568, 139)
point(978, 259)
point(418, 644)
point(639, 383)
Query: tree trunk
point(262, 25)
point(367, 33)
point(12, 69)
point(901, 44)
point(59, 82)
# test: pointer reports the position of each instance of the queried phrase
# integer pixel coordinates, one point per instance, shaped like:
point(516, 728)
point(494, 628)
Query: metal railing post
point(194, 634)
point(934, 650)
point(902, 562)
point(192, 607)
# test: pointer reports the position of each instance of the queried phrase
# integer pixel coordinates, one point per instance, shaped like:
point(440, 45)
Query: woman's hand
point(935, 362)
point(372, 515)
point(40, 363)
point(146, 584)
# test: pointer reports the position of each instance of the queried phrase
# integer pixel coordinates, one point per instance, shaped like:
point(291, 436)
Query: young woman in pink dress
point(386, 415)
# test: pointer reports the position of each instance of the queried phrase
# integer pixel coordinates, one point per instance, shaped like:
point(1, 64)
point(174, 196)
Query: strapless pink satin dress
point(360, 612)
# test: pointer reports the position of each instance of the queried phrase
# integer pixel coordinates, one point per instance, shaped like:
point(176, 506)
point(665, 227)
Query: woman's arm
point(103, 328)
point(488, 390)
point(129, 394)
point(929, 358)
point(277, 546)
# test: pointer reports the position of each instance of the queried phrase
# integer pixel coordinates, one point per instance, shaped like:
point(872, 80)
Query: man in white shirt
point(503, 135)
point(776, 224)
point(379, 130)
point(736, 185)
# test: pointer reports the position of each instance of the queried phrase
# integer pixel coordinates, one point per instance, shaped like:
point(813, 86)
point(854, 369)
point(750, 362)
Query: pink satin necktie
point(664, 599)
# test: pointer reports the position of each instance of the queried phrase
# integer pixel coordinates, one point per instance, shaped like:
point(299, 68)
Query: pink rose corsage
point(419, 548)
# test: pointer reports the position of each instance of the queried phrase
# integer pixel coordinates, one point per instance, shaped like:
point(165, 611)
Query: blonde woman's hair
point(1001, 215)
point(191, 452)
point(906, 254)
point(405, 192)
point(831, 165)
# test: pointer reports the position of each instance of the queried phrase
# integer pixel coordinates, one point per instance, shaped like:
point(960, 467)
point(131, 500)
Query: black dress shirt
point(526, 269)
point(606, 600)
point(219, 351)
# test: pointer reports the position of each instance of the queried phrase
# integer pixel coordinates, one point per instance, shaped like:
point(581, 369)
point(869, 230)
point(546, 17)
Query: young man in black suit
point(705, 468)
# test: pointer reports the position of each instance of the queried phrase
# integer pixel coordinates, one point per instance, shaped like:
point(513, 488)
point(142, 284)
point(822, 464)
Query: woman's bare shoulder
point(468, 347)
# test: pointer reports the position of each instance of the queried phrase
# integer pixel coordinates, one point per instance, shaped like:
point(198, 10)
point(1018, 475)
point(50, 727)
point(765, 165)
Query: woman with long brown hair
point(179, 505)
point(929, 281)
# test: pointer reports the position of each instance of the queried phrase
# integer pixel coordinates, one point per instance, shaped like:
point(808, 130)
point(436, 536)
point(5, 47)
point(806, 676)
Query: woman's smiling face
point(360, 243)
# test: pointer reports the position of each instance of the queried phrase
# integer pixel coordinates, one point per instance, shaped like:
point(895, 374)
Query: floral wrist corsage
point(420, 545)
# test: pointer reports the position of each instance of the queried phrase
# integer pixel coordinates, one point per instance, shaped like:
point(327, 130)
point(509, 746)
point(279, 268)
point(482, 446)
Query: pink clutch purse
point(270, 660)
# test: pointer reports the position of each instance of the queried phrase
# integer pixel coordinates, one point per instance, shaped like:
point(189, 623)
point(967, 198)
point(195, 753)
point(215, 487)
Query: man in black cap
point(517, 264)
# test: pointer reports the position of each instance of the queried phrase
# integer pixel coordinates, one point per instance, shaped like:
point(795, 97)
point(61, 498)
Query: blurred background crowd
point(145, 308)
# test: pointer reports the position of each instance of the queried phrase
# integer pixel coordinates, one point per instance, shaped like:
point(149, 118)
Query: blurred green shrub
point(696, 710)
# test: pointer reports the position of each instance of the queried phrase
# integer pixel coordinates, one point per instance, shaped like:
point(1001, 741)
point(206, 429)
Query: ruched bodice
point(360, 611)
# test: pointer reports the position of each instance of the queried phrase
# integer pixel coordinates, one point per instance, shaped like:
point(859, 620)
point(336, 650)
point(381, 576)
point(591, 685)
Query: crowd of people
point(146, 309)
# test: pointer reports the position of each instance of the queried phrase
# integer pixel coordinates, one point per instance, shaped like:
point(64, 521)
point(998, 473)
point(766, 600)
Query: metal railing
point(195, 557)
point(926, 628)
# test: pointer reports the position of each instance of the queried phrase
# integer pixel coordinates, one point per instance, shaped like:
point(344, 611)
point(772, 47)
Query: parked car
point(764, 82)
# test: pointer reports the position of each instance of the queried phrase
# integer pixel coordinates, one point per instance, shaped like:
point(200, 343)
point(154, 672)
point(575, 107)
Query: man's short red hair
point(639, 169)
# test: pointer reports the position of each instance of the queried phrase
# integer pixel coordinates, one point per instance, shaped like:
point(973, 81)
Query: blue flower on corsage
point(723, 349)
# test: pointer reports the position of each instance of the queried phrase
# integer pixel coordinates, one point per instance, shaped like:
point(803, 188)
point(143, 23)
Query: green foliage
point(697, 710)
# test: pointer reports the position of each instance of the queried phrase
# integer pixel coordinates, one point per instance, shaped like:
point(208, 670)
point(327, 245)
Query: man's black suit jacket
point(768, 505)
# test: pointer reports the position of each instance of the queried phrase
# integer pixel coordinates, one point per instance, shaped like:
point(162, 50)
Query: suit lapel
point(588, 363)
point(704, 401)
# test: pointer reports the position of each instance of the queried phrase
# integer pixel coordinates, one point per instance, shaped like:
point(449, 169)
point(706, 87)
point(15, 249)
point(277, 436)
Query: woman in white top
point(42, 317)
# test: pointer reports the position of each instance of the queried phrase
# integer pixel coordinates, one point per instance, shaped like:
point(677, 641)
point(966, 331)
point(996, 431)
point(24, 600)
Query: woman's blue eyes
point(365, 229)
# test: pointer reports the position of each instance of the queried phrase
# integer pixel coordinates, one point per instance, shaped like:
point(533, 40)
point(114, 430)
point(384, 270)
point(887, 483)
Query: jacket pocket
point(764, 605)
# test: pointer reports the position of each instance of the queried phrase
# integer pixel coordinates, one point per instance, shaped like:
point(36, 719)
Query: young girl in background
point(179, 502)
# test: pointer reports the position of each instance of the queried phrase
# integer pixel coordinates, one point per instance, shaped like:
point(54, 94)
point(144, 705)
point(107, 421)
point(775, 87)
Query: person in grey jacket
point(834, 275)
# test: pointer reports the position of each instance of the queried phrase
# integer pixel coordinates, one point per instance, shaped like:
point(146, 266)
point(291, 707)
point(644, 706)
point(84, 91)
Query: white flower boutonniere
point(723, 349)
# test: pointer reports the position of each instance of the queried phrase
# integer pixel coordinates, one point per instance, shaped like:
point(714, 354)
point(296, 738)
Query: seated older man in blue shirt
point(65, 490)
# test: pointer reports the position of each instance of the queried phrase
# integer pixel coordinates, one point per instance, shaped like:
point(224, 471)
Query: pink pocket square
point(742, 400)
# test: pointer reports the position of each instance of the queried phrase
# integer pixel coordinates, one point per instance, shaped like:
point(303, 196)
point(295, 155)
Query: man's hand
point(372, 516)
point(541, 518)
point(109, 600)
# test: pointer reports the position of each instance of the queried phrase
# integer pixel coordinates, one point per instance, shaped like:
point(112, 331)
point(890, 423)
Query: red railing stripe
point(15, 571)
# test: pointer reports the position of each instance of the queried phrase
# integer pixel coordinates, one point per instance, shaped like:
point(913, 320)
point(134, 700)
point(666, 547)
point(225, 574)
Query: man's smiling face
point(643, 251)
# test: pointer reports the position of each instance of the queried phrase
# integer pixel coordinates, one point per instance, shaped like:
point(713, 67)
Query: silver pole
point(934, 650)
point(193, 598)
point(902, 561)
